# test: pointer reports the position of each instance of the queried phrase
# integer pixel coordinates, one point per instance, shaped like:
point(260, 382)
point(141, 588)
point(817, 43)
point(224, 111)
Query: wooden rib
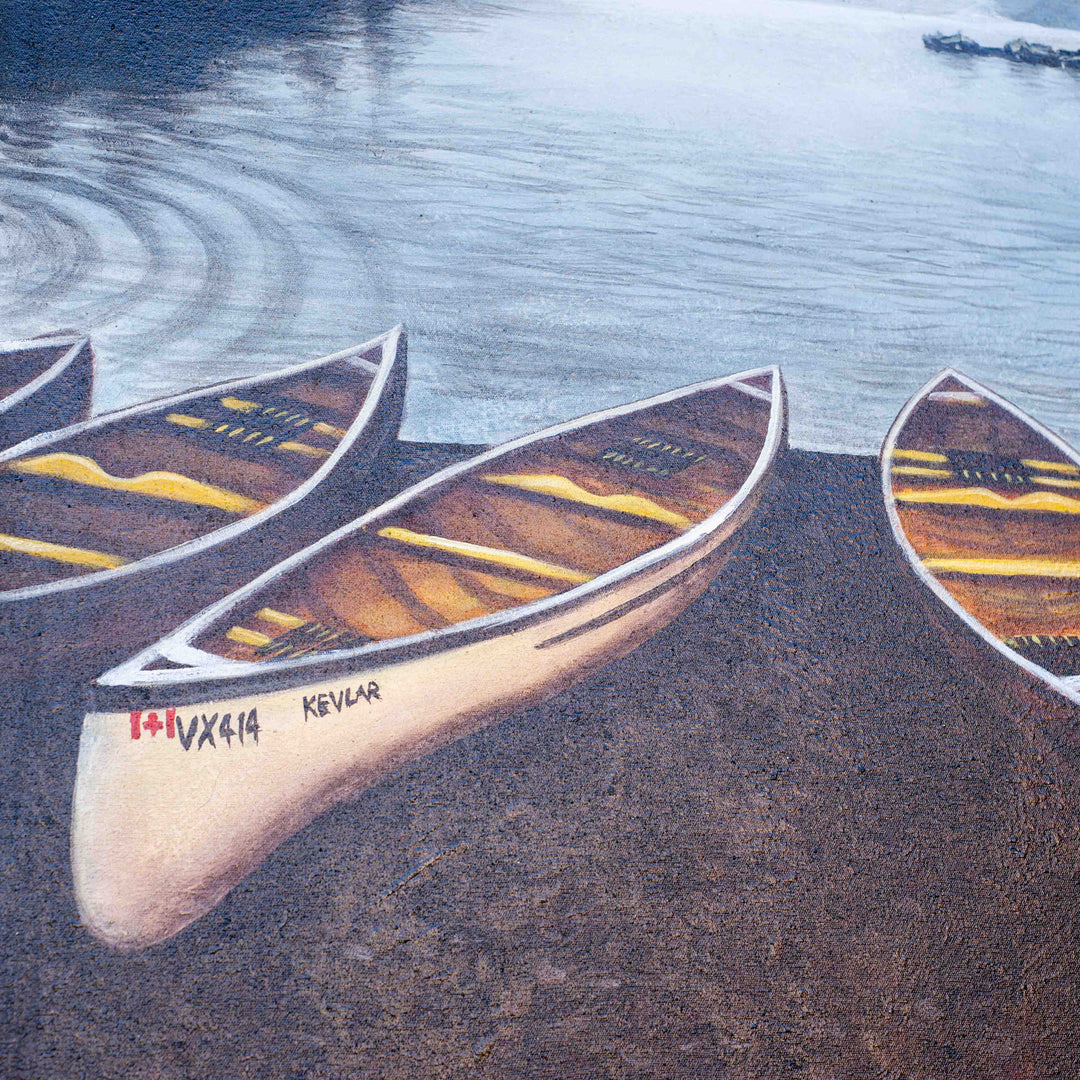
point(243, 636)
point(436, 587)
point(559, 487)
point(754, 391)
point(919, 470)
point(98, 560)
point(239, 404)
point(303, 448)
point(281, 618)
point(920, 455)
point(1051, 466)
point(359, 588)
point(1021, 639)
point(512, 560)
point(1016, 605)
point(183, 420)
point(1042, 501)
point(1050, 568)
point(520, 591)
point(1055, 481)
point(957, 397)
point(77, 469)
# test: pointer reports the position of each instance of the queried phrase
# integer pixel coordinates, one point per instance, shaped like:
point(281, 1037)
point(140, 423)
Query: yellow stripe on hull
point(159, 485)
point(96, 560)
point(512, 560)
point(1048, 568)
point(1039, 501)
point(560, 487)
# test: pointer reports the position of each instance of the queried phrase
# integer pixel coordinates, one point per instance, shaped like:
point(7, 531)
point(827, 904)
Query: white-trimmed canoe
point(985, 503)
point(45, 383)
point(115, 530)
point(488, 586)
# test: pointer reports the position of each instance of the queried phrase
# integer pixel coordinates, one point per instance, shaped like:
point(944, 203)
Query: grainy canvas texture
point(729, 732)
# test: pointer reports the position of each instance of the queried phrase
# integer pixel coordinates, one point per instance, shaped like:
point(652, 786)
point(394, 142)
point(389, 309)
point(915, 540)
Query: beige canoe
point(985, 503)
point(115, 530)
point(488, 586)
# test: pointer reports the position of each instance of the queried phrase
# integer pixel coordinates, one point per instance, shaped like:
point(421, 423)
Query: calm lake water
point(568, 204)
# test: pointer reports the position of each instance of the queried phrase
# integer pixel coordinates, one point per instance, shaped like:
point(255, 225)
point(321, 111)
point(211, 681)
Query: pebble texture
point(813, 828)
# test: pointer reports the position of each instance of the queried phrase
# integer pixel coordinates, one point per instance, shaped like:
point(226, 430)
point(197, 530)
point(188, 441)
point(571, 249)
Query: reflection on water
point(148, 45)
point(568, 205)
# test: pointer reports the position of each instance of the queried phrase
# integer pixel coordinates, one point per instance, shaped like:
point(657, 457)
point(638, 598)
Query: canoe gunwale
point(132, 680)
point(391, 342)
point(76, 343)
point(1063, 687)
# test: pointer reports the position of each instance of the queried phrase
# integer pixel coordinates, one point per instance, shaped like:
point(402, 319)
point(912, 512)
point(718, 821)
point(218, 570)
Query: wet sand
point(810, 829)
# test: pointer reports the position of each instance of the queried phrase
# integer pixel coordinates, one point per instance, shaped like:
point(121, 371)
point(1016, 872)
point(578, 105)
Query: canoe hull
point(82, 630)
point(980, 499)
point(58, 396)
point(316, 744)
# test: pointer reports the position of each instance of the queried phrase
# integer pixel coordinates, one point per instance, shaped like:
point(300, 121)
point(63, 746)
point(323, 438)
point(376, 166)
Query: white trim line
point(1072, 692)
point(176, 648)
point(17, 397)
point(753, 391)
point(389, 342)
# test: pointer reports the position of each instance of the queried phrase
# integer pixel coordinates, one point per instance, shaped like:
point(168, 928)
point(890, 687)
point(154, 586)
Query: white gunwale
point(1056, 682)
point(75, 342)
point(204, 668)
point(389, 343)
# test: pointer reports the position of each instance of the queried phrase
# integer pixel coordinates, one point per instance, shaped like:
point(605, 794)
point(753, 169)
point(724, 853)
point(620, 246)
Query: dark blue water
point(568, 204)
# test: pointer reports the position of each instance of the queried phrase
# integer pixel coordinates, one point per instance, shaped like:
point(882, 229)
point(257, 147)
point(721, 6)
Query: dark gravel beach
point(810, 829)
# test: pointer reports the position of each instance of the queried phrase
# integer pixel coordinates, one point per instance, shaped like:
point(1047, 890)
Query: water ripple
point(568, 206)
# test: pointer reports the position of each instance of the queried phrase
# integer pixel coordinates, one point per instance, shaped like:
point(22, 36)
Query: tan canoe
point(985, 503)
point(45, 383)
point(115, 530)
point(488, 586)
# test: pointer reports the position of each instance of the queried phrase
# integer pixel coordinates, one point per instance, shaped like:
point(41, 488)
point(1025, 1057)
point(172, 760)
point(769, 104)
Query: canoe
point(484, 588)
point(114, 530)
point(985, 503)
point(45, 383)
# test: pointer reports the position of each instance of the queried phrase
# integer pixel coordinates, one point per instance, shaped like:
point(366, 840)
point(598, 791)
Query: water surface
point(568, 205)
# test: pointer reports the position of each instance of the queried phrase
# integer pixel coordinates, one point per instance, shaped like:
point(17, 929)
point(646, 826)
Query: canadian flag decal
point(153, 724)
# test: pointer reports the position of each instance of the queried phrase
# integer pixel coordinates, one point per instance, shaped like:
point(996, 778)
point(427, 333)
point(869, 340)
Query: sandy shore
point(810, 829)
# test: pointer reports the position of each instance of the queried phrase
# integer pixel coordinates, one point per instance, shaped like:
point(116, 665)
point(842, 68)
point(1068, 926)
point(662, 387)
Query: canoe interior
point(127, 489)
point(513, 529)
point(21, 366)
point(992, 508)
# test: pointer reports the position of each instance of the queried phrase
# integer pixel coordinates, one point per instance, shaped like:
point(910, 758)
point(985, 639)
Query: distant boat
point(1018, 50)
point(1031, 52)
point(45, 383)
point(985, 503)
point(488, 586)
point(114, 530)
point(955, 43)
